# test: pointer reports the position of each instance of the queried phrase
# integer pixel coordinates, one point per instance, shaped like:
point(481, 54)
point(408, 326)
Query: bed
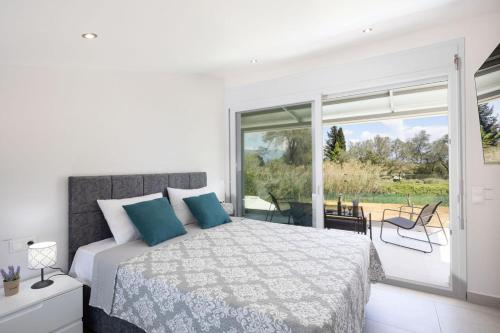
point(244, 276)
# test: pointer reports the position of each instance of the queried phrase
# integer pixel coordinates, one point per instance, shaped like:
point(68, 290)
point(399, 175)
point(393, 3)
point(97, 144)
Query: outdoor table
point(345, 220)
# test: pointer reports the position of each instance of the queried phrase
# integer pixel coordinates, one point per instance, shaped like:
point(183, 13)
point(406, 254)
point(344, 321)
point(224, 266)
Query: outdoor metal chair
point(277, 207)
point(424, 217)
point(415, 209)
point(301, 213)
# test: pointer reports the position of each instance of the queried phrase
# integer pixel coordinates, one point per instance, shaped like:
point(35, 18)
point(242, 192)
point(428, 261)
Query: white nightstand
point(57, 308)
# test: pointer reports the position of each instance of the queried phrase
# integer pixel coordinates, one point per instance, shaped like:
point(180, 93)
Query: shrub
point(281, 179)
point(404, 188)
point(353, 177)
point(435, 181)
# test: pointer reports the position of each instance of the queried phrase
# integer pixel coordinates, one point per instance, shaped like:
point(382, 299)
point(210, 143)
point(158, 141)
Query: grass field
point(421, 192)
point(419, 199)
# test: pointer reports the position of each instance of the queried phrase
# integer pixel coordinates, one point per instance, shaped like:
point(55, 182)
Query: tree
point(297, 144)
point(400, 162)
point(335, 144)
point(489, 139)
point(341, 139)
point(399, 150)
point(438, 156)
point(376, 150)
point(253, 162)
point(329, 149)
point(361, 151)
point(381, 149)
point(489, 125)
point(487, 118)
point(418, 147)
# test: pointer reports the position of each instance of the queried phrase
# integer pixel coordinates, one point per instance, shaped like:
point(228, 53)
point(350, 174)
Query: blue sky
point(253, 140)
point(496, 108)
point(435, 126)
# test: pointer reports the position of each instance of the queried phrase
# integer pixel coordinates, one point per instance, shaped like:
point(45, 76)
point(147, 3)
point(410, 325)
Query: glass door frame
point(317, 219)
point(457, 287)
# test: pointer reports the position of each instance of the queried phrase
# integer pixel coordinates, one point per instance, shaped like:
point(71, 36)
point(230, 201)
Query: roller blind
point(424, 99)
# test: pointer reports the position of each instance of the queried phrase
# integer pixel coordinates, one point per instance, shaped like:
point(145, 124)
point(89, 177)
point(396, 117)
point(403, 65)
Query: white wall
point(481, 37)
point(56, 122)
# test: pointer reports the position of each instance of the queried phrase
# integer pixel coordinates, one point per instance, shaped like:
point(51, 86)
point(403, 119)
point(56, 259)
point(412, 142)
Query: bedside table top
point(28, 297)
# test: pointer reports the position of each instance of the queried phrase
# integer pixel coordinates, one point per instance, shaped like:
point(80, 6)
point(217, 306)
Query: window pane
point(384, 152)
point(277, 164)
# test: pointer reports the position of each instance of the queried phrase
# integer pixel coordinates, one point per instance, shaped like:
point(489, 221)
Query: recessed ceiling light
point(254, 61)
point(89, 35)
point(367, 30)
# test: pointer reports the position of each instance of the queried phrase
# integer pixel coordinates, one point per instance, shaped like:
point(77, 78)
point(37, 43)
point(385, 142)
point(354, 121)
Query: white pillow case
point(180, 208)
point(121, 226)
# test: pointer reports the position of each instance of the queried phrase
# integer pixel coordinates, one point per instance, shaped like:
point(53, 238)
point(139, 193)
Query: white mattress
point(83, 263)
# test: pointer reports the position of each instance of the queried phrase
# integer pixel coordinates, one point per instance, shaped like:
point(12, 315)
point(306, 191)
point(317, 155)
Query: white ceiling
point(203, 36)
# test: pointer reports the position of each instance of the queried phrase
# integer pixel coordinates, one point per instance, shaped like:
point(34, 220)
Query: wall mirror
point(488, 99)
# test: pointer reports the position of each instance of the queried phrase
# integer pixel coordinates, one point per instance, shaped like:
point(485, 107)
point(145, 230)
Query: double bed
point(243, 276)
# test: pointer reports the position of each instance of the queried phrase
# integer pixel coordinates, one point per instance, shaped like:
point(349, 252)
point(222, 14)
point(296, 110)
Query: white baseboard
point(483, 299)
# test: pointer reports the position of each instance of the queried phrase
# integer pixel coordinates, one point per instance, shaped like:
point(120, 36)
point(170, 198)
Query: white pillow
point(121, 226)
point(180, 208)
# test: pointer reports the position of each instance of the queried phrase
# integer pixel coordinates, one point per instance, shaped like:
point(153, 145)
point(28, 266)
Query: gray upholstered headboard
point(86, 222)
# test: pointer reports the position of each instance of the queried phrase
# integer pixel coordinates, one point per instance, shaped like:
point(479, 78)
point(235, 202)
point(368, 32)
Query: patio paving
point(430, 268)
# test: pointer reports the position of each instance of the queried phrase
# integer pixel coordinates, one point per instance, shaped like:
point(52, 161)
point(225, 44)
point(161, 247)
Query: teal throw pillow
point(207, 209)
point(155, 220)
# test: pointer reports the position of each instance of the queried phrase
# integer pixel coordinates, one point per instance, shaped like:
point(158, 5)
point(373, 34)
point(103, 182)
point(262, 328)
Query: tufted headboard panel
point(86, 222)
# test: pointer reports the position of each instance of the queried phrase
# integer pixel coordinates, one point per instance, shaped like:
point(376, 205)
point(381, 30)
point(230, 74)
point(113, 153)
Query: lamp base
point(42, 284)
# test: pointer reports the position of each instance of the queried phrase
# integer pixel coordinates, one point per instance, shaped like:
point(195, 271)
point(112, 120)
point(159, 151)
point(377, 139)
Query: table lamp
point(42, 255)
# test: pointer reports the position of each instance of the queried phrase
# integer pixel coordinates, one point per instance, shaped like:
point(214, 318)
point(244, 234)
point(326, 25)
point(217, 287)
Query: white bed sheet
point(82, 266)
point(83, 262)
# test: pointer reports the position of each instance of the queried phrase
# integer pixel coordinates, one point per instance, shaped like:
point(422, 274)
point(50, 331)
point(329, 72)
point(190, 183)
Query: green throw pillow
point(207, 209)
point(155, 220)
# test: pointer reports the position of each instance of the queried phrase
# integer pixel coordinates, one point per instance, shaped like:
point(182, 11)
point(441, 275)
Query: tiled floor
point(431, 268)
point(397, 310)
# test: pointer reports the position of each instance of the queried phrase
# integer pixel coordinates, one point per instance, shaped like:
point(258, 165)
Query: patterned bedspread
point(250, 276)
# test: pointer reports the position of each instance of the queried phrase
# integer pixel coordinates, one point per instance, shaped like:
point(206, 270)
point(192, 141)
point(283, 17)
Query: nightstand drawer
point(47, 316)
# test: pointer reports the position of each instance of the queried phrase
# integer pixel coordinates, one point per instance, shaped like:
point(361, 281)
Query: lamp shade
point(42, 255)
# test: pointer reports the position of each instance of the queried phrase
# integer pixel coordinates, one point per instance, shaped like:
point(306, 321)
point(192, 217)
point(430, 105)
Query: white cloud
point(399, 130)
point(348, 132)
point(435, 132)
point(395, 128)
point(367, 135)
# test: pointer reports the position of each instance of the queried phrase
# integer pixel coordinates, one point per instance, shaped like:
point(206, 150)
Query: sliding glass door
point(386, 133)
point(388, 153)
point(354, 161)
point(275, 158)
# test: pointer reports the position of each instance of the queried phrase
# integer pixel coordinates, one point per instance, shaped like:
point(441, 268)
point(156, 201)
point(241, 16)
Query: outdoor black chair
point(277, 207)
point(301, 213)
point(424, 217)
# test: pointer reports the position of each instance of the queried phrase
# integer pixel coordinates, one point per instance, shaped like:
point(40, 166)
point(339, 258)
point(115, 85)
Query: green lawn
point(419, 199)
point(421, 192)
